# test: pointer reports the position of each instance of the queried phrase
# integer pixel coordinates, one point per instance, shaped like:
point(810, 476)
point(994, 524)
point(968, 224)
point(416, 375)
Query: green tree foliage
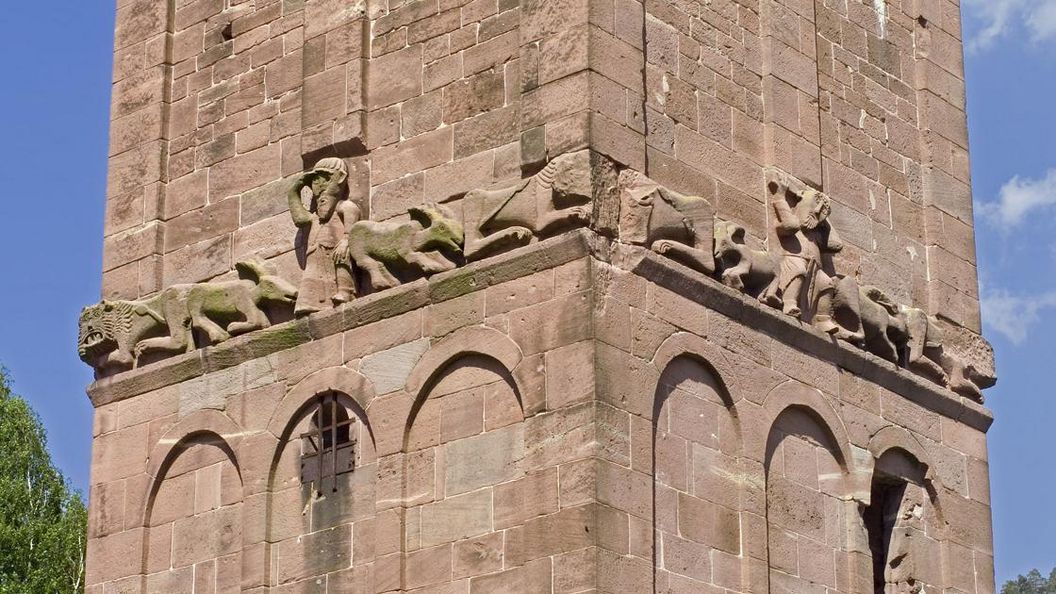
point(1032, 583)
point(42, 520)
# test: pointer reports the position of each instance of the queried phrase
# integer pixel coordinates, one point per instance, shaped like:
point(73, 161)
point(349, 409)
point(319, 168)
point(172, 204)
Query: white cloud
point(991, 20)
point(1015, 316)
point(1018, 198)
point(995, 17)
point(1042, 21)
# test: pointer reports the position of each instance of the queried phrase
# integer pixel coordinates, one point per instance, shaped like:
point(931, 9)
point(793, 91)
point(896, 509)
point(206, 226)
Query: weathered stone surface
point(572, 410)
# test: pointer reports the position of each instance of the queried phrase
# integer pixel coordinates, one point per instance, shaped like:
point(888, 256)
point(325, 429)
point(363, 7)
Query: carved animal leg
point(180, 338)
point(882, 347)
point(478, 247)
point(698, 260)
point(770, 295)
point(213, 330)
point(165, 344)
point(924, 365)
point(380, 277)
point(733, 276)
point(566, 217)
point(255, 320)
point(959, 381)
point(734, 279)
point(430, 264)
point(122, 358)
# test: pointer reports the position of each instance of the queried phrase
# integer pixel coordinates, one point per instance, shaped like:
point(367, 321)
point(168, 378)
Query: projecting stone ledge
point(700, 301)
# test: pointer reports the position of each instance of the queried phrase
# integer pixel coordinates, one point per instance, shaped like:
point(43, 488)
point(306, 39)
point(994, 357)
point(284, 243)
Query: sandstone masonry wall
point(578, 415)
point(534, 436)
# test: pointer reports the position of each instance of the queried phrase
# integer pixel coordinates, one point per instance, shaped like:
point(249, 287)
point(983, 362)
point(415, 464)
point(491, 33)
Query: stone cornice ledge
point(792, 332)
point(523, 262)
point(360, 312)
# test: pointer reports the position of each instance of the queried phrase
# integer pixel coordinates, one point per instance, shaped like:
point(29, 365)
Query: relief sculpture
point(328, 278)
point(807, 239)
point(556, 199)
point(868, 318)
point(679, 227)
point(901, 574)
point(389, 252)
point(335, 246)
point(927, 355)
point(740, 267)
point(115, 335)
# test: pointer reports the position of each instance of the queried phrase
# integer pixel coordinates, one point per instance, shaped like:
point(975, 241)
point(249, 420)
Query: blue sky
point(55, 61)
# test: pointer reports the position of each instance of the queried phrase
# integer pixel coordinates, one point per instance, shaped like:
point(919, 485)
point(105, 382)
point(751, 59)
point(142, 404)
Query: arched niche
point(462, 464)
point(810, 505)
point(697, 485)
point(194, 517)
point(322, 482)
point(904, 524)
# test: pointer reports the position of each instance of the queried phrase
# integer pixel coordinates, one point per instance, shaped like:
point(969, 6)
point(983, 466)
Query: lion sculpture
point(115, 335)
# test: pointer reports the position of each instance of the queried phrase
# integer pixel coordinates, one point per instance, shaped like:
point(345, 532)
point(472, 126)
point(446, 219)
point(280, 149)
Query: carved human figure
point(806, 237)
point(901, 574)
point(328, 279)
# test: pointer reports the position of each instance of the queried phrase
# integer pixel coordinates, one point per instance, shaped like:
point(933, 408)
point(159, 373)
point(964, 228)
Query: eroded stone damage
point(796, 277)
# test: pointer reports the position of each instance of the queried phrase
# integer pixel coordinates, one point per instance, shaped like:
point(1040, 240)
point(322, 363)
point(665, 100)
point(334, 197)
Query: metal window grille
point(329, 445)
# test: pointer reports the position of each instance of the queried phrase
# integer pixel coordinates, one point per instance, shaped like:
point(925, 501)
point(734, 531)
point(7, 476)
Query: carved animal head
point(440, 228)
point(877, 296)
point(97, 336)
point(270, 287)
point(729, 238)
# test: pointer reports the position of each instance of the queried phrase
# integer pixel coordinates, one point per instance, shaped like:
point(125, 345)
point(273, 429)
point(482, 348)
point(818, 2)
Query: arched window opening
point(894, 521)
point(328, 448)
point(881, 518)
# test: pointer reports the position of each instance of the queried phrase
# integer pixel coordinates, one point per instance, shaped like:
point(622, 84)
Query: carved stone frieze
point(116, 335)
point(581, 189)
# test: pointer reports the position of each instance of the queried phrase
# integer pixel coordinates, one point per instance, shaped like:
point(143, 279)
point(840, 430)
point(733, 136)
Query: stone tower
point(540, 296)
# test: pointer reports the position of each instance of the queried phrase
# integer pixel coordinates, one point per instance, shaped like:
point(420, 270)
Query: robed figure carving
point(328, 279)
point(806, 237)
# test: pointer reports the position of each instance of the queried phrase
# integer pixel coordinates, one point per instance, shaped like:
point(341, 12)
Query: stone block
point(456, 518)
point(315, 554)
point(389, 369)
point(484, 460)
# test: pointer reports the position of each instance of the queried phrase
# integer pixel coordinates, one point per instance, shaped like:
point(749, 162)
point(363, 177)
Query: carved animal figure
point(430, 242)
point(554, 200)
point(748, 270)
point(111, 330)
point(229, 308)
point(677, 226)
point(867, 317)
point(927, 356)
point(114, 335)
